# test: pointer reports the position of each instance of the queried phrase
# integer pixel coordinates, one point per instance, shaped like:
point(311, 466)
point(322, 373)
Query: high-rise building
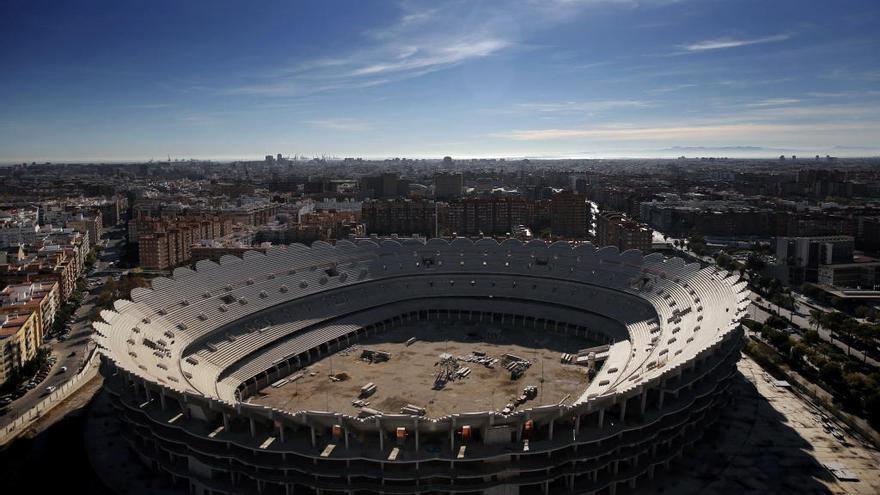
point(569, 215)
point(616, 229)
point(798, 258)
point(19, 341)
point(448, 186)
point(494, 215)
point(400, 216)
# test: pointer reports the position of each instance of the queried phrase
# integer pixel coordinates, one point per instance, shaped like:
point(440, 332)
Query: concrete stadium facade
point(181, 358)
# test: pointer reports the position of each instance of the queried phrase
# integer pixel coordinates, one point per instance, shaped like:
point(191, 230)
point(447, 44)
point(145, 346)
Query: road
point(74, 349)
point(761, 311)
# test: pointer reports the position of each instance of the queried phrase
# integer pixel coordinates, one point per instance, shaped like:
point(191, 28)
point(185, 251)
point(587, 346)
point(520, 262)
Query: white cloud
point(342, 124)
point(434, 57)
point(582, 106)
point(773, 102)
point(722, 43)
point(678, 133)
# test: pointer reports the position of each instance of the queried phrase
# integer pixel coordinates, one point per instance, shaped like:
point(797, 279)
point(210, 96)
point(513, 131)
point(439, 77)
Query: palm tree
point(816, 318)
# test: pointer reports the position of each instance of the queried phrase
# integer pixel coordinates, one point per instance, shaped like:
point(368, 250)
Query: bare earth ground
point(409, 376)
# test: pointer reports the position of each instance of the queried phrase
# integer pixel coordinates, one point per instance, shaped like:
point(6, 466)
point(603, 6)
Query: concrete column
point(644, 402)
point(615, 466)
point(312, 431)
point(345, 434)
point(551, 429)
point(601, 418)
point(162, 398)
point(577, 424)
point(281, 429)
point(416, 427)
point(381, 434)
point(225, 421)
point(623, 409)
point(253, 427)
point(660, 402)
point(452, 437)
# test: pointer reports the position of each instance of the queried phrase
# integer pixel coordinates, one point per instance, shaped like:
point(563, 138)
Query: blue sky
point(104, 80)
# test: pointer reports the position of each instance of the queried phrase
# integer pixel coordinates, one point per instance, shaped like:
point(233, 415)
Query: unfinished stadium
point(408, 367)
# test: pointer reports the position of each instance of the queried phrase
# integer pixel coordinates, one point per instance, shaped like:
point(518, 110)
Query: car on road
point(50, 389)
point(64, 369)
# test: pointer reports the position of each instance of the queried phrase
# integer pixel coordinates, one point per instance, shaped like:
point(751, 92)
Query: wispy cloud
point(773, 102)
point(671, 88)
point(581, 106)
point(677, 133)
point(422, 40)
point(149, 106)
point(722, 43)
point(341, 124)
point(428, 58)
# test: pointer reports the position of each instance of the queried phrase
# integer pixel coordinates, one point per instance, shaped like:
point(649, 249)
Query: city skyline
point(598, 78)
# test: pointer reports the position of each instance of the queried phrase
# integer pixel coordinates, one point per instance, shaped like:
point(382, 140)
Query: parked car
point(64, 369)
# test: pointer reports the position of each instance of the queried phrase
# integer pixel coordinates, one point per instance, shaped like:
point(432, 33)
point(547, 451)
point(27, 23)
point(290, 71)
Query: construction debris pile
point(479, 357)
point(516, 365)
point(590, 357)
point(528, 393)
point(448, 370)
point(374, 356)
point(413, 410)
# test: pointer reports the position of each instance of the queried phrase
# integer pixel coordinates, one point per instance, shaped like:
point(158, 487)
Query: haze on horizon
point(109, 80)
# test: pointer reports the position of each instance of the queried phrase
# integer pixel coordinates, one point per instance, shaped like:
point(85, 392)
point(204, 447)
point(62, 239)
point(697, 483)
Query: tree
point(816, 318)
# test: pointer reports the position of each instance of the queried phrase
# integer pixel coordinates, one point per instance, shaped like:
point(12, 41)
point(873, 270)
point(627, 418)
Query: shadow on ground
point(751, 449)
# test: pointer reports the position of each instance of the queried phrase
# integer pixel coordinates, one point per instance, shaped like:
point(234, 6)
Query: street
point(761, 312)
point(74, 349)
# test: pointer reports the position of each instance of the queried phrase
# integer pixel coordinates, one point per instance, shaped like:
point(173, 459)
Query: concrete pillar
point(416, 427)
point(253, 427)
point(577, 425)
point(281, 429)
point(660, 402)
point(622, 410)
point(601, 418)
point(615, 466)
point(551, 429)
point(644, 402)
point(225, 421)
point(312, 432)
point(381, 434)
point(162, 398)
point(452, 437)
point(345, 434)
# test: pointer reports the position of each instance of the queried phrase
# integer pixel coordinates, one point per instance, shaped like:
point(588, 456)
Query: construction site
point(438, 368)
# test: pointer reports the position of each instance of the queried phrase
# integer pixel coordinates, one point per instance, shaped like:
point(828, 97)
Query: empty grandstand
point(190, 362)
